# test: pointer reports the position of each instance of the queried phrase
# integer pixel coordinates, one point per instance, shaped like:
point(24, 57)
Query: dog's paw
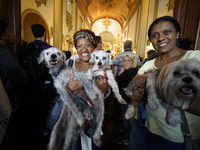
point(94, 96)
point(97, 141)
point(88, 115)
point(130, 112)
point(153, 104)
point(174, 118)
point(122, 101)
point(80, 121)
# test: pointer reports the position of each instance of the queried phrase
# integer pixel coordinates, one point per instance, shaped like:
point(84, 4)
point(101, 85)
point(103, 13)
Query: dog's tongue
point(187, 89)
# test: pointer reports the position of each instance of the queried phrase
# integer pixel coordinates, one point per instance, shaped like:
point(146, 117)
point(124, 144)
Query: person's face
point(84, 49)
point(163, 36)
point(127, 62)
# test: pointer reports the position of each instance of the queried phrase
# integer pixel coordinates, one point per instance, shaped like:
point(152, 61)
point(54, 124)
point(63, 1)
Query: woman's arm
point(139, 84)
point(195, 108)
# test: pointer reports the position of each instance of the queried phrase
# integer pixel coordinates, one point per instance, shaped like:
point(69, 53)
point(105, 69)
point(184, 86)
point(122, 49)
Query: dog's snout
point(53, 56)
point(187, 80)
point(99, 63)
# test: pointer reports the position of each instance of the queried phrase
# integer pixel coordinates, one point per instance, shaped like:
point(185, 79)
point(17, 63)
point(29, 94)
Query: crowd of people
point(36, 99)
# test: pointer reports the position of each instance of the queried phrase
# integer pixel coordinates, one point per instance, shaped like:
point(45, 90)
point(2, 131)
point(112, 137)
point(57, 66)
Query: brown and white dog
point(175, 86)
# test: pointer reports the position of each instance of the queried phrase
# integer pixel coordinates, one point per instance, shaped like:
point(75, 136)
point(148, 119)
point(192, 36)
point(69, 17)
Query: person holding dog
point(85, 43)
point(164, 33)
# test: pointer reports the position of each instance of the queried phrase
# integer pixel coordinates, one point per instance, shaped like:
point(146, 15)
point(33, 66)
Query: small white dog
point(67, 128)
point(175, 86)
point(103, 63)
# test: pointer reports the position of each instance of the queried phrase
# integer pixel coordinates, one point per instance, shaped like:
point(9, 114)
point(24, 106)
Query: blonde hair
point(132, 57)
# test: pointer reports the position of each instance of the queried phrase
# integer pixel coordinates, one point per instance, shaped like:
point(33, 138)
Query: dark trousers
point(142, 139)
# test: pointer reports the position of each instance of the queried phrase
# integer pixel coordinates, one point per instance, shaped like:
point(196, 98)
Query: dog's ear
point(109, 56)
point(64, 56)
point(92, 57)
point(41, 57)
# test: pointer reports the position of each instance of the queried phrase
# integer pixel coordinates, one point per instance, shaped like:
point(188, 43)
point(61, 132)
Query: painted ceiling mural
point(115, 9)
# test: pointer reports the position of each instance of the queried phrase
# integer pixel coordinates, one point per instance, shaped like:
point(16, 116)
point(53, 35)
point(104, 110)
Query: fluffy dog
point(175, 86)
point(132, 108)
point(103, 63)
point(72, 117)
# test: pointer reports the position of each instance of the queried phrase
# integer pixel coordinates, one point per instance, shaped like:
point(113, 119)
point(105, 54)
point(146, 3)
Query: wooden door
point(187, 12)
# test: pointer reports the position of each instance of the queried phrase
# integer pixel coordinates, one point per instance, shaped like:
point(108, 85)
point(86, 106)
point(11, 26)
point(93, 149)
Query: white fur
point(175, 86)
point(67, 129)
point(103, 63)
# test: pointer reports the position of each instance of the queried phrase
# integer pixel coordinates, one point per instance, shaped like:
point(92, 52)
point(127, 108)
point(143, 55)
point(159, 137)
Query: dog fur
point(103, 63)
point(68, 127)
point(174, 87)
point(132, 108)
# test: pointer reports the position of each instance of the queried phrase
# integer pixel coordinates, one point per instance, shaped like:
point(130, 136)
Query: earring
point(177, 37)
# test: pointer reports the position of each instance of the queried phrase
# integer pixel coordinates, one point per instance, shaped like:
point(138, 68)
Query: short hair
point(132, 57)
point(150, 52)
point(38, 30)
point(165, 18)
point(127, 45)
point(98, 38)
point(85, 33)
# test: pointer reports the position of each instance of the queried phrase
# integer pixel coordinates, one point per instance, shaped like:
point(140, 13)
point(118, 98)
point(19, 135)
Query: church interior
point(114, 20)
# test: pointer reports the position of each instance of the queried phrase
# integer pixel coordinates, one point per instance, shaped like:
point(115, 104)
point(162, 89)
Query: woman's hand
point(121, 71)
point(73, 85)
point(139, 85)
point(137, 95)
point(103, 84)
point(139, 81)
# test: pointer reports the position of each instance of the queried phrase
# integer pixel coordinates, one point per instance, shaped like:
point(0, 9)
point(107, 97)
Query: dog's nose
point(99, 63)
point(53, 56)
point(187, 80)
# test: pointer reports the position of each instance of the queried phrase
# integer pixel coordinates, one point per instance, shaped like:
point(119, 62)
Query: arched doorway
point(28, 19)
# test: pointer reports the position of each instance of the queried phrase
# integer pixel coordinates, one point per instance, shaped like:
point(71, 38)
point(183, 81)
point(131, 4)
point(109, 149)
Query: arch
point(30, 17)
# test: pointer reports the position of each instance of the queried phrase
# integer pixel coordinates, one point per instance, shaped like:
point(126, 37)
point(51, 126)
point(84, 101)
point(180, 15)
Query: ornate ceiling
point(115, 9)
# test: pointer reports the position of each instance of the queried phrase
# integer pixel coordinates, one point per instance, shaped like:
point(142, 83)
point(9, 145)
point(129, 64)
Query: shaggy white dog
point(103, 63)
point(72, 118)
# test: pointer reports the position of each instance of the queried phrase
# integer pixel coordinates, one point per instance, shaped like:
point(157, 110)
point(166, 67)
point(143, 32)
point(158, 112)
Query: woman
point(85, 43)
point(164, 33)
point(127, 73)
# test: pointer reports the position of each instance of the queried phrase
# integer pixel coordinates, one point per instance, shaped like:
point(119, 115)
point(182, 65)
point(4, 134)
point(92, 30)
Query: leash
point(92, 105)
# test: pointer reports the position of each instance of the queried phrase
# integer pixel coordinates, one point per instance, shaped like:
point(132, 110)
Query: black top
point(124, 79)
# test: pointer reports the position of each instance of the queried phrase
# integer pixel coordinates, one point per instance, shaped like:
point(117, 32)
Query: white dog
point(103, 63)
point(175, 86)
point(67, 129)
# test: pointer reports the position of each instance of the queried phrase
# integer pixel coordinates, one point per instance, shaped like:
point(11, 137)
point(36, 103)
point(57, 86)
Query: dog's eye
point(47, 53)
point(97, 57)
point(196, 72)
point(58, 53)
point(104, 58)
point(176, 72)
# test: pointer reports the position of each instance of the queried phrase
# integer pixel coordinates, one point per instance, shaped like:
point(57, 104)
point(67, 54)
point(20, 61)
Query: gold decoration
point(170, 5)
point(106, 23)
point(69, 20)
point(39, 2)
